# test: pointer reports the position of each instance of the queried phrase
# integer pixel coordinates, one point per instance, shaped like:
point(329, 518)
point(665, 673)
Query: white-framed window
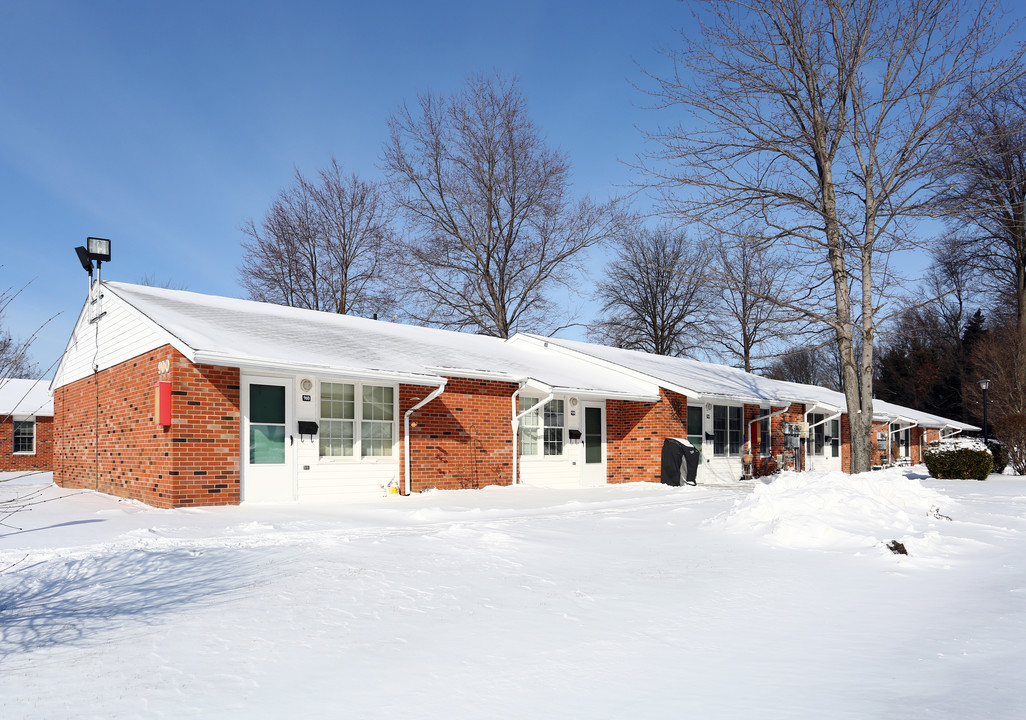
point(357, 420)
point(24, 441)
point(542, 433)
point(835, 438)
point(727, 430)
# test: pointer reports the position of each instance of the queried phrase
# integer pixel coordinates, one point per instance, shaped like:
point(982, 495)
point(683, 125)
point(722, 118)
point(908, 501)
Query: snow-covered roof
point(689, 377)
point(244, 333)
point(703, 381)
point(22, 398)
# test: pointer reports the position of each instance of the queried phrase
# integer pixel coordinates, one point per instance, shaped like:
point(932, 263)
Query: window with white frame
point(835, 438)
point(727, 422)
point(24, 437)
point(541, 432)
point(356, 420)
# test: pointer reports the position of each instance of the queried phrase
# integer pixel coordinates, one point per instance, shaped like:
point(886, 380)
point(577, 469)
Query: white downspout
point(406, 429)
point(893, 432)
point(751, 450)
point(516, 426)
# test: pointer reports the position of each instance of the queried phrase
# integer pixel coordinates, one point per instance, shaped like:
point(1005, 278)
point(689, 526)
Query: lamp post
point(984, 386)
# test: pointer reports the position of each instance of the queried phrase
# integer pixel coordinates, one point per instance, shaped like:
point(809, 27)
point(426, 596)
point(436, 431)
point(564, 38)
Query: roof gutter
point(406, 429)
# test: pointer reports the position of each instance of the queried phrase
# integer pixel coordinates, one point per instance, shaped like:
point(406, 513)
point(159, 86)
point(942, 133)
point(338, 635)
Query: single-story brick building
point(177, 398)
point(26, 425)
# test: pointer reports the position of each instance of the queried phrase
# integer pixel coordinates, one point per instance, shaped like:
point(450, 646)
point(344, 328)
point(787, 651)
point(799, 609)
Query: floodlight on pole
point(97, 249)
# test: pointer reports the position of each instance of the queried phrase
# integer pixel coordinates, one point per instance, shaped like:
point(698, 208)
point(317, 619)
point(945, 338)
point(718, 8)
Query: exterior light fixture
point(97, 249)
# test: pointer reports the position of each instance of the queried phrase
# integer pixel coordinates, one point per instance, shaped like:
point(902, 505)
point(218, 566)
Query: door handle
point(292, 439)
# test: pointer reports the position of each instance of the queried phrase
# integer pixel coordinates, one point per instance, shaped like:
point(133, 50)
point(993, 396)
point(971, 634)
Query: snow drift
point(835, 511)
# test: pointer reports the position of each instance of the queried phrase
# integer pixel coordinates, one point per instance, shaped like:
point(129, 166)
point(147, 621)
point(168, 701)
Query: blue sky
point(163, 126)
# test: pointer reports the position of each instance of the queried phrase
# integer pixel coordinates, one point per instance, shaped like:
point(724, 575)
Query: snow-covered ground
point(635, 601)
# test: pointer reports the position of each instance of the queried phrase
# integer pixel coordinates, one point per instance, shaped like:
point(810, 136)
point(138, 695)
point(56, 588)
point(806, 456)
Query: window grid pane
point(736, 415)
point(24, 436)
point(377, 403)
point(765, 440)
point(336, 438)
point(719, 430)
point(338, 401)
point(375, 439)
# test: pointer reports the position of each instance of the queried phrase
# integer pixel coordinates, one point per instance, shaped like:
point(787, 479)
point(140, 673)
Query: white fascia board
point(260, 365)
point(629, 372)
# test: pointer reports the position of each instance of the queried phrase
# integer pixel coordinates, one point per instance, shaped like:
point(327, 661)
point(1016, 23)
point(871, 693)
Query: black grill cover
point(679, 462)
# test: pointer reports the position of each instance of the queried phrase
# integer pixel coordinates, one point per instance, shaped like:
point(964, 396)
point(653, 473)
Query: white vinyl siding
point(122, 334)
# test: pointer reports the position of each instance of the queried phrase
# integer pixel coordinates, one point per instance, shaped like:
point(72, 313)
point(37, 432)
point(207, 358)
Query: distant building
point(26, 425)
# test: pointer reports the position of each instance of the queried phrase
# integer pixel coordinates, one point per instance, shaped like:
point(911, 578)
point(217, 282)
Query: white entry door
point(268, 440)
point(594, 437)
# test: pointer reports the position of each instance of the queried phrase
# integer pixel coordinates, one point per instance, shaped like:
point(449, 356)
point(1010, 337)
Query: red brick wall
point(462, 438)
point(635, 432)
point(42, 459)
point(193, 462)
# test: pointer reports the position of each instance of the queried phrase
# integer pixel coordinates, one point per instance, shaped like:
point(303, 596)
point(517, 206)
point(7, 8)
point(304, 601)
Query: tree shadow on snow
point(60, 602)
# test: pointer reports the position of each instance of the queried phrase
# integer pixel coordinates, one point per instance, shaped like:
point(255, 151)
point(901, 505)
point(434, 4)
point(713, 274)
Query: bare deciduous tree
point(654, 294)
point(494, 224)
point(988, 194)
point(821, 120)
point(808, 365)
point(323, 245)
point(15, 361)
point(742, 322)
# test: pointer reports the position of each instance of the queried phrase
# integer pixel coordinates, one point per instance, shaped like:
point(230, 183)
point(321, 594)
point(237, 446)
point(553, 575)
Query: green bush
point(959, 462)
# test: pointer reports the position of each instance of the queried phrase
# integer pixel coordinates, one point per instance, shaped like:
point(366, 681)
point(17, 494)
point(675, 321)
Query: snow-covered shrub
point(959, 459)
point(1011, 431)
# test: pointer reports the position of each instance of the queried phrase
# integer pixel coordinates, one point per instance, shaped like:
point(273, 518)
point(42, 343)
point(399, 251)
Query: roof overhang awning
point(589, 393)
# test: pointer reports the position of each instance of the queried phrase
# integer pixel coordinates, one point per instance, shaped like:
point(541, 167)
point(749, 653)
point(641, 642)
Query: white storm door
point(268, 440)
point(594, 441)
